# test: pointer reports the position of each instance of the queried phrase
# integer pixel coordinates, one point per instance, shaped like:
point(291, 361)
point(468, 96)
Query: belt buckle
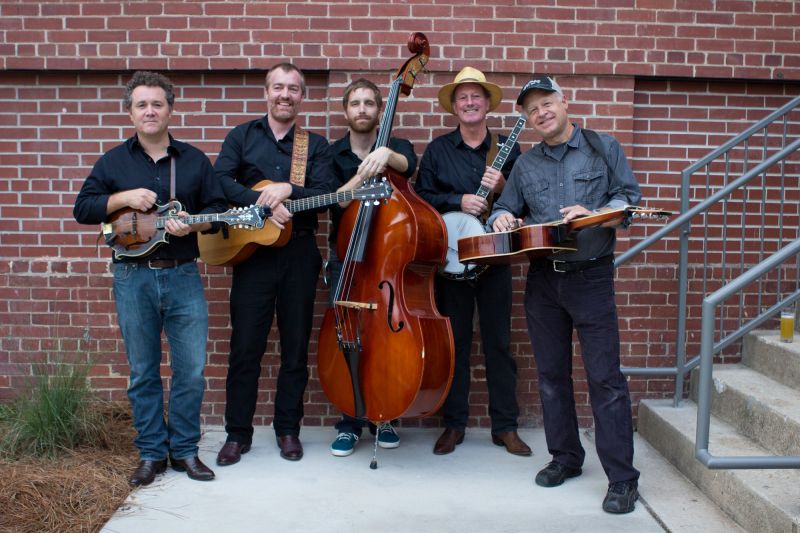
point(555, 266)
point(153, 267)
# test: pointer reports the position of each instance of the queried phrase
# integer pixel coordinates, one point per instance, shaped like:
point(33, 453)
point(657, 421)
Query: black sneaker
point(555, 473)
point(621, 496)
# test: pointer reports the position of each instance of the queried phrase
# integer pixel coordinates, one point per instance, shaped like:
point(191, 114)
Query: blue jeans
point(555, 304)
point(149, 301)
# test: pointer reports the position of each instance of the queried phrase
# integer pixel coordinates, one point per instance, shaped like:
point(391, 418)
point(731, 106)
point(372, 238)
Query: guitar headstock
point(252, 217)
point(373, 191)
point(646, 212)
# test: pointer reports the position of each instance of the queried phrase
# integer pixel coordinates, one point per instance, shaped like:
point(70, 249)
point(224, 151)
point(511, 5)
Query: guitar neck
point(313, 202)
point(197, 219)
point(502, 155)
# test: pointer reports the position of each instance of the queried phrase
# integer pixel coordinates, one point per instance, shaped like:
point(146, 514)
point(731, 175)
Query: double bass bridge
point(356, 305)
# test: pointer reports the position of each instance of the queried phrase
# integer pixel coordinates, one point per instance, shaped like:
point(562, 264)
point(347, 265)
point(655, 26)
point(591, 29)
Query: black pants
point(555, 303)
point(456, 300)
point(282, 279)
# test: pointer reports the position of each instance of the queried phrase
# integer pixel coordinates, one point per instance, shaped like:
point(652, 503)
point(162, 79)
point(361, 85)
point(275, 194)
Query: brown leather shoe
point(447, 441)
point(193, 467)
point(146, 472)
point(512, 442)
point(290, 446)
point(231, 453)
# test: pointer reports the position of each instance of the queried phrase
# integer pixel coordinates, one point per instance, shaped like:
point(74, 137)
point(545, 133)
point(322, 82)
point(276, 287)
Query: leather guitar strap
point(490, 155)
point(299, 156)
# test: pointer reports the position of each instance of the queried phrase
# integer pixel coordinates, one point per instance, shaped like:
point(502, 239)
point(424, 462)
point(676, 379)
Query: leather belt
point(577, 266)
point(158, 264)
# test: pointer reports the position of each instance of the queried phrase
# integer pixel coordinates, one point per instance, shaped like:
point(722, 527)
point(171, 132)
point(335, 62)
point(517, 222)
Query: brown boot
point(512, 442)
point(447, 441)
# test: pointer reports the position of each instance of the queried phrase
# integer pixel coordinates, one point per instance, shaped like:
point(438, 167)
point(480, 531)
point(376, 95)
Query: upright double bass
point(385, 352)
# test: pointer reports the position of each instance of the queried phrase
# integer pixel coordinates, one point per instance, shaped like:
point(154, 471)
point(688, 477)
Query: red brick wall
point(64, 64)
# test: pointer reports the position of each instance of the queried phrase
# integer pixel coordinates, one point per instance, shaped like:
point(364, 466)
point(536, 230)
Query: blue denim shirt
point(544, 181)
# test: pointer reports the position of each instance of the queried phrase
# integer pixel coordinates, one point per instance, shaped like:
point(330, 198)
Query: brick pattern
point(65, 63)
point(751, 39)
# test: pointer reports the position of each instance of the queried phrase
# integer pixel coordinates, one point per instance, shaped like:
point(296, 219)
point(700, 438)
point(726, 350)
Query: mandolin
point(541, 240)
point(132, 233)
point(234, 246)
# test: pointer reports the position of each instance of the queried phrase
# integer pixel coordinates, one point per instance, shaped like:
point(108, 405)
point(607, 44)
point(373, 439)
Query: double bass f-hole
point(390, 307)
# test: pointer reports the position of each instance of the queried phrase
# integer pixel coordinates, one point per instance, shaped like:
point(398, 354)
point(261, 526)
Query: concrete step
point(676, 502)
point(758, 407)
point(761, 501)
point(763, 351)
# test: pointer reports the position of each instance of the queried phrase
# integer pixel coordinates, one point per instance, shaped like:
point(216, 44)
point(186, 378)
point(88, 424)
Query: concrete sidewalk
point(478, 488)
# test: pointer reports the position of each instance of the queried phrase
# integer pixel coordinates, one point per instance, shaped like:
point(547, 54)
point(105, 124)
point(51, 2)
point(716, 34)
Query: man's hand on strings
point(574, 211)
point(273, 194)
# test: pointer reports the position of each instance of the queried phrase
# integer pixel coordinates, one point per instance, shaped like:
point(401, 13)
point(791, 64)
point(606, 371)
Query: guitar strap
point(594, 141)
point(494, 147)
point(299, 156)
point(172, 178)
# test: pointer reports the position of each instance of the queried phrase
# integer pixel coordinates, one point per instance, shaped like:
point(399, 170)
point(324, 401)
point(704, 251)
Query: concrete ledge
point(762, 501)
point(759, 407)
point(763, 351)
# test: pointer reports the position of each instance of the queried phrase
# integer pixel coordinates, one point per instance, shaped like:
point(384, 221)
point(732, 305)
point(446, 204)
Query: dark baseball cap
point(539, 83)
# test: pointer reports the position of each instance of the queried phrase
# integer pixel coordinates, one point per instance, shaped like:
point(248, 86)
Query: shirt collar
point(174, 149)
point(345, 146)
point(458, 140)
point(574, 141)
point(264, 123)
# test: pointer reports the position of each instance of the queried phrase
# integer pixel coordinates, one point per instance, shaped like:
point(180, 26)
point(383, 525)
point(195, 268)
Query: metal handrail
point(683, 221)
point(708, 348)
point(686, 217)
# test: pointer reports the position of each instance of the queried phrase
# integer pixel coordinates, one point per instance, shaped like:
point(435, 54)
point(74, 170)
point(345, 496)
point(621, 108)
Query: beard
point(364, 126)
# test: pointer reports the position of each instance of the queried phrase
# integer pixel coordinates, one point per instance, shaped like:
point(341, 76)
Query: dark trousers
point(555, 303)
point(456, 300)
point(281, 279)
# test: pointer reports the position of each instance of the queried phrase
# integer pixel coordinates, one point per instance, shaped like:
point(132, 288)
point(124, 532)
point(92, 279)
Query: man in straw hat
point(572, 172)
point(452, 170)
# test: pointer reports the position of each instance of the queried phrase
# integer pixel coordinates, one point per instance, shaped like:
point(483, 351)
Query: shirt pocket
point(590, 187)
point(537, 196)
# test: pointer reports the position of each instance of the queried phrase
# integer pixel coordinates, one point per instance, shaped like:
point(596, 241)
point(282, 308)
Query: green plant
point(56, 414)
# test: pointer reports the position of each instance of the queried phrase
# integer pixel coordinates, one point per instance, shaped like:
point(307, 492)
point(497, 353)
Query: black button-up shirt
point(250, 154)
point(128, 166)
point(450, 168)
point(345, 166)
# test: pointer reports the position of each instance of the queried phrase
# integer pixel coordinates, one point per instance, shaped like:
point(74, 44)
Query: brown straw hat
point(470, 75)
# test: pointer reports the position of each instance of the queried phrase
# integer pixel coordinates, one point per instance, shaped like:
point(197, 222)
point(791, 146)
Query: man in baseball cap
point(539, 83)
point(571, 173)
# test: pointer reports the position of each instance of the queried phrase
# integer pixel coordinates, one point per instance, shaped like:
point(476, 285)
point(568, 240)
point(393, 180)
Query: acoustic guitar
point(541, 240)
point(132, 233)
point(229, 248)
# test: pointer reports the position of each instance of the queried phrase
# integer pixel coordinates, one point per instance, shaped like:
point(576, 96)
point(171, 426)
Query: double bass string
point(361, 230)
